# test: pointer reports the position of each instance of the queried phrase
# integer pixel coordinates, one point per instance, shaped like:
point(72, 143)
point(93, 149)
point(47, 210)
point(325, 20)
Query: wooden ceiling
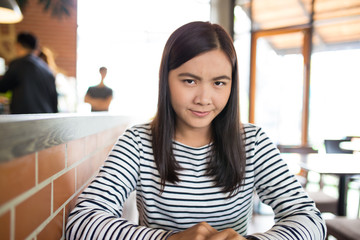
point(336, 23)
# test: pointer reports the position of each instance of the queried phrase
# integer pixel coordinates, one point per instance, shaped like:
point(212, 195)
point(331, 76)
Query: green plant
point(58, 8)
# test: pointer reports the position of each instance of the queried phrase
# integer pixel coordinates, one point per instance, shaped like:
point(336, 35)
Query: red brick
point(90, 144)
point(71, 204)
point(99, 158)
point(16, 177)
point(75, 151)
point(54, 229)
point(84, 172)
point(32, 212)
point(64, 187)
point(5, 226)
point(51, 161)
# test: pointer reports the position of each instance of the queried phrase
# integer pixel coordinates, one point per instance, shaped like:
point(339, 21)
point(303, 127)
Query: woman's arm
point(203, 230)
point(98, 212)
point(296, 216)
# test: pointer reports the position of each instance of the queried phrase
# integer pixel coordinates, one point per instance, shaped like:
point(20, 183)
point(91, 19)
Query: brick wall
point(57, 34)
point(38, 190)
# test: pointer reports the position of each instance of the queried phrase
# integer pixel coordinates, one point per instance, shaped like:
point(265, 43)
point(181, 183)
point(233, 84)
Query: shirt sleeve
point(296, 216)
point(89, 91)
point(9, 81)
point(98, 212)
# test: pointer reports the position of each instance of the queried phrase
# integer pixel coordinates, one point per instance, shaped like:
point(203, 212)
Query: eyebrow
point(222, 77)
point(199, 78)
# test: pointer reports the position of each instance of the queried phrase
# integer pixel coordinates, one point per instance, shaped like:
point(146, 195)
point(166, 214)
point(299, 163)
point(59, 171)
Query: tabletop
point(337, 164)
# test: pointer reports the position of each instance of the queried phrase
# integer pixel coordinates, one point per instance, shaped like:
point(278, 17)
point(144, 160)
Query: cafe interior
point(299, 79)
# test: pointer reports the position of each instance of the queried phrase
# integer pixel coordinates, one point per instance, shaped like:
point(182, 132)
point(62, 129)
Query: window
point(128, 38)
point(303, 74)
point(242, 27)
point(279, 81)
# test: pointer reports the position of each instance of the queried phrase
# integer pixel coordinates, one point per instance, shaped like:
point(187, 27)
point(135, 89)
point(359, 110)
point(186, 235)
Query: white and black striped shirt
point(130, 166)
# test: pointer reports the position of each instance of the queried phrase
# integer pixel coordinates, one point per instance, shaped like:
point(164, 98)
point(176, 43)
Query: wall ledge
point(22, 134)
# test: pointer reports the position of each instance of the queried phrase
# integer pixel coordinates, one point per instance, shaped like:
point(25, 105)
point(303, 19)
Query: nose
point(203, 95)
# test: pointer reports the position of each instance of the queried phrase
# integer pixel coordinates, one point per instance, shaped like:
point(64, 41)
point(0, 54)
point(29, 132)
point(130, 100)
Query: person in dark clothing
point(29, 78)
point(99, 96)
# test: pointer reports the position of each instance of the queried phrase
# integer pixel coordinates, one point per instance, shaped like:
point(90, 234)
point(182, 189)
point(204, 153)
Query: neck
point(22, 52)
point(193, 137)
point(102, 82)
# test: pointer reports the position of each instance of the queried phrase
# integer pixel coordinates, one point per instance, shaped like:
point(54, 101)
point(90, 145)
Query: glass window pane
point(334, 76)
point(335, 73)
point(242, 37)
point(279, 85)
point(335, 97)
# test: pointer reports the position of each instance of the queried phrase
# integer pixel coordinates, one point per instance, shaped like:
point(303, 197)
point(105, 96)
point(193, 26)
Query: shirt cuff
point(249, 237)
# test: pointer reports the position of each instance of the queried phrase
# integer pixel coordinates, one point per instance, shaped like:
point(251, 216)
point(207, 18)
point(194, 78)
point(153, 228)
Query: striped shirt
point(130, 166)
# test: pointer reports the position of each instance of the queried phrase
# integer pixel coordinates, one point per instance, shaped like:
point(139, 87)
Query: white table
point(341, 165)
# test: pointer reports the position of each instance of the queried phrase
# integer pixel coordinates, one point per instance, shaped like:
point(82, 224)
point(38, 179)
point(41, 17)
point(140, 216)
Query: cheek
point(176, 97)
point(223, 99)
point(180, 97)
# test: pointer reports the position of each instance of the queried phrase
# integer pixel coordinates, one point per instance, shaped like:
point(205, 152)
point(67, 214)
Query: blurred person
point(31, 81)
point(65, 86)
point(99, 96)
point(195, 167)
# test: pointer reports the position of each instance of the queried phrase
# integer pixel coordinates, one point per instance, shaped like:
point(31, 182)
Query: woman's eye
point(219, 83)
point(189, 81)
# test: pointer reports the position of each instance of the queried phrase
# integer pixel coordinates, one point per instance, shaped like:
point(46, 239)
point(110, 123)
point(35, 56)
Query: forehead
point(211, 61)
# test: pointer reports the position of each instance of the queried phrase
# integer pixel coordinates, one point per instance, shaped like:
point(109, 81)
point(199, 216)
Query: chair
point(351, 139)
point(323, 201)
point(344, 228)
point(333, 145)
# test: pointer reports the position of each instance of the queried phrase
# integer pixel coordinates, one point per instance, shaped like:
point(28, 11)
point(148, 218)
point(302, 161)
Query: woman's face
point(200, 89)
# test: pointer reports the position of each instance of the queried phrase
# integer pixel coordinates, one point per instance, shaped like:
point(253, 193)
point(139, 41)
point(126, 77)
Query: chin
point(200, 125)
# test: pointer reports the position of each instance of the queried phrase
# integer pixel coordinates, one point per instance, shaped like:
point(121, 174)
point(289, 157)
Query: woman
point(195, 167)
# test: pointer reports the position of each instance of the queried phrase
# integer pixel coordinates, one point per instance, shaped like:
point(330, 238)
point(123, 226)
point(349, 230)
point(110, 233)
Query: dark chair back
point(333, 146)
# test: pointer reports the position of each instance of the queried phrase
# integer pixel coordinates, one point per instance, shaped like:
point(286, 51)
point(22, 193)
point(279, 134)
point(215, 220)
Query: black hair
point(102, 69)
point(27, 40)
point(227, 161)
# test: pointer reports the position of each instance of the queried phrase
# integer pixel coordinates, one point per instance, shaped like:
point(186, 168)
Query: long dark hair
point(227, 161)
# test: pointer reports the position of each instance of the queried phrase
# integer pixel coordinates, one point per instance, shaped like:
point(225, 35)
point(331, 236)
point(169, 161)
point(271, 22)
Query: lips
point(200, 114)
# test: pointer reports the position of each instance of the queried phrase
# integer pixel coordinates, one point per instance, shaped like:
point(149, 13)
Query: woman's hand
point(227, 234)
point(200, 231)
point(203, 231)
